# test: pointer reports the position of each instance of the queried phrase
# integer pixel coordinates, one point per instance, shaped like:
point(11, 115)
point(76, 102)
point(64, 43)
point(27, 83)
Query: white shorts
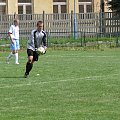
point(15, 46)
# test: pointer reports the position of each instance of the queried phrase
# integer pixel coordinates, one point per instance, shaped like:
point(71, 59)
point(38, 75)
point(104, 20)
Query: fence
point(86, 39)
point(62, 25)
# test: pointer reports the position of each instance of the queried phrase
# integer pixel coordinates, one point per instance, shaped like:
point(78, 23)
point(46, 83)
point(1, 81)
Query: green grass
point(90, 42)
point(72, 85)
point(84, 41)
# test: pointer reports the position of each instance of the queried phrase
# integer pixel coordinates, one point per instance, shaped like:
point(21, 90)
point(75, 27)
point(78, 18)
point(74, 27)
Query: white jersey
point(14, 30)
point(39, 37)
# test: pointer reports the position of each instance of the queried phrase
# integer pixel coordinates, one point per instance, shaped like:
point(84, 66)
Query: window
point(24, 1)
point(84, 0)
point(81, 8)
point(85, 6)
point(55, 8)
point(20, 9)
point(59, 0)
point(63, 9)
point(28, 9)
point(24, 7)
point(2, 1)
point(59, 6)
point(2, 6)
point(88, 8)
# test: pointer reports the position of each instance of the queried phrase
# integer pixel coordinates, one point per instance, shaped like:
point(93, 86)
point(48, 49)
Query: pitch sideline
point(58, 81)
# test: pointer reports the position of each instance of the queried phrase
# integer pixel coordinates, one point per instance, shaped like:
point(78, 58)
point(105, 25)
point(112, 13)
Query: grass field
point(71, 85)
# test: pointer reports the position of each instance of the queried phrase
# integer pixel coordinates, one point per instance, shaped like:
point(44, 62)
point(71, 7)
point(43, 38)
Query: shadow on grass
point(18, 77)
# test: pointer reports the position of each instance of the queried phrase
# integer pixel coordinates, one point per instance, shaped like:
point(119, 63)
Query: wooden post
point(15, 15)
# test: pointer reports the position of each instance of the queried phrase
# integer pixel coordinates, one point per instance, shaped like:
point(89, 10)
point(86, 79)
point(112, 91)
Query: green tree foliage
point(115, 6)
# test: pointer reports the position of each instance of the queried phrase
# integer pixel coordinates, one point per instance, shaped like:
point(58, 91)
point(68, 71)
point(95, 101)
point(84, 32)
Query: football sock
point(28, 67)
point(9, 56)
point(16, 57)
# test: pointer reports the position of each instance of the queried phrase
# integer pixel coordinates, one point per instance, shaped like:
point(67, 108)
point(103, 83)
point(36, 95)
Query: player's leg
point(12, 53)
point(32, 56)
point(29, 63)
point(16, 53)
point(16, 57)
point(8, 58)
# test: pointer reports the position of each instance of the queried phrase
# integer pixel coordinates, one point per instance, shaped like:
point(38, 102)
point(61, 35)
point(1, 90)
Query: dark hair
point(16, 20)
point(39, 22)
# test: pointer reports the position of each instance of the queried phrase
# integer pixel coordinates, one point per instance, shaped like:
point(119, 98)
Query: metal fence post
point(84, 40)
point(75, 23)
point(81, 40)
point(117, 43)
point(71, 22)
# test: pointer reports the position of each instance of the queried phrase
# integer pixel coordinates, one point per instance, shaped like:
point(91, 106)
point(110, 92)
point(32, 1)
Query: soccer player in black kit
point(37, 39)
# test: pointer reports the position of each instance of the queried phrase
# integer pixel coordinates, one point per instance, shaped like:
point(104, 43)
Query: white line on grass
point(64, 56)
point(58, 81)
point(73, 55)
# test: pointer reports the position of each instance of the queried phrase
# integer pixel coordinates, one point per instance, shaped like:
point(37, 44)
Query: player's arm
point(11, 37)
point(10, 34)
point(30, 41)
point(44, 39)
point(35, 40)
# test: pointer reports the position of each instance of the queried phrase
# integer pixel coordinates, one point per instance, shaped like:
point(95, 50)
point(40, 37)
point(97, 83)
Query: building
point(88, 20)
point(50, 6)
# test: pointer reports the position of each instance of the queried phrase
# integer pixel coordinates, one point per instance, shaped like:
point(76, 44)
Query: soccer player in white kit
point(14, 38)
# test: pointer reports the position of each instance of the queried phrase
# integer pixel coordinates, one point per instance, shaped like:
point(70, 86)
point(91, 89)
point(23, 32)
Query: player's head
point(16, 22)
point(39, 25)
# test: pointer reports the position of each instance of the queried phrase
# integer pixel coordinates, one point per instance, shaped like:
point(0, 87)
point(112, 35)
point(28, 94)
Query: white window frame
point(2, 4)
point(85, 5)
point(59, 5)
point(24, 6)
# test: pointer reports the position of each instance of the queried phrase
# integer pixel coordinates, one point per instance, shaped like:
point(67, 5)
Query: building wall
point(12, 6)
point(38, 6)
point(42, 5)
point(71, 6)
point(96, 5)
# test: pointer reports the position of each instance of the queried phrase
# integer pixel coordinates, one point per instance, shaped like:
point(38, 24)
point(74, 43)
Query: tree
point(115, 6)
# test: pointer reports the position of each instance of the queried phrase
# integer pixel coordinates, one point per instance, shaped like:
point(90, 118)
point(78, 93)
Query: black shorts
point(32, 53)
